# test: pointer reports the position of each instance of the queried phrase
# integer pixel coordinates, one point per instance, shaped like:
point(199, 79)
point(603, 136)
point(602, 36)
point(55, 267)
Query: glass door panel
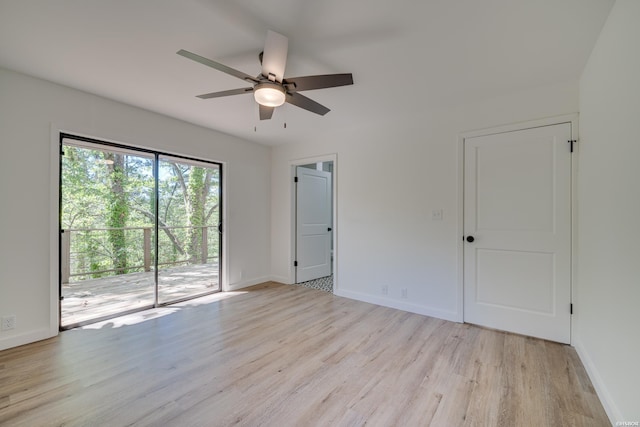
point(107, 219)
point(188, 220)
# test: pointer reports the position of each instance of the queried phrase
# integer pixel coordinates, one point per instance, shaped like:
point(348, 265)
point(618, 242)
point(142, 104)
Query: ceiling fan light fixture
point(269, 94)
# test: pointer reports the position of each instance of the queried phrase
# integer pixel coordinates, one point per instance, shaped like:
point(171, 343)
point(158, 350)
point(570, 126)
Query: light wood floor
point(281, 355)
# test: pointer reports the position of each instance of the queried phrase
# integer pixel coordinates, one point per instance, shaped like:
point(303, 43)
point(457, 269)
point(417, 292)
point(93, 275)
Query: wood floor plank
point(280, 355)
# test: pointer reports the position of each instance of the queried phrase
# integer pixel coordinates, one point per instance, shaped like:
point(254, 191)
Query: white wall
point(607, 306)
point(28, 107)
point(390, 176)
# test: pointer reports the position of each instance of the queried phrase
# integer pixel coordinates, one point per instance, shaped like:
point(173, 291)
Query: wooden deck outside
point(96, 298)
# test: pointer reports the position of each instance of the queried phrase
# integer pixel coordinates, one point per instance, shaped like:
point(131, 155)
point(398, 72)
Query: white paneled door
point(313, 224)
point(517, 231)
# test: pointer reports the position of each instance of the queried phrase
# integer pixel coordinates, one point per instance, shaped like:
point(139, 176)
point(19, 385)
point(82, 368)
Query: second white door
point(313, 224)
point(517, 231)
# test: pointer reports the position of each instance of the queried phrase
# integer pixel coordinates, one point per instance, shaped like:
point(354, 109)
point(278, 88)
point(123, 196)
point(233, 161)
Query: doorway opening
point(138, 229)
point(314, 225)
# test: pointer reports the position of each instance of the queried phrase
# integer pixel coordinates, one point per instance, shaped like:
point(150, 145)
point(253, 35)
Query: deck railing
point(87, 252)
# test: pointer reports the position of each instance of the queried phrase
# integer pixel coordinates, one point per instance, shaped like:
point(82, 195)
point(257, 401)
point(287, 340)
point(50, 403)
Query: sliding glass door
point(138, 229)
point(188, 218)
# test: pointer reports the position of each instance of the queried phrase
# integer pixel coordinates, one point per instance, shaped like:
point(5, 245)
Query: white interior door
point(517, 209)
point(313, 224)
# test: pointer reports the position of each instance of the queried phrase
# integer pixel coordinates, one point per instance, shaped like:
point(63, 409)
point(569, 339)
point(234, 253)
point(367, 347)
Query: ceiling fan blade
point(216, 65)
point(306, 103)
point(318, 82)
point(274, 58)
point(265, 112)
point(226, 93)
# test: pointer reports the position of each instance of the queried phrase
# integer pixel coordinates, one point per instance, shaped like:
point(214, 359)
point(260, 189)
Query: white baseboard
point(246, 283)
point(400, 305)
point(610, 407)
point(26, 338)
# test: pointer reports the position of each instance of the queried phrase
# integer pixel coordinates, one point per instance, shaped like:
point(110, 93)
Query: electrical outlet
point(436, 215)
point(404, 292)
point(385, 290)
point(8, 322)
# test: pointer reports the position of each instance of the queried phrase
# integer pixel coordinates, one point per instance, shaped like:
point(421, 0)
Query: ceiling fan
point(270, 89)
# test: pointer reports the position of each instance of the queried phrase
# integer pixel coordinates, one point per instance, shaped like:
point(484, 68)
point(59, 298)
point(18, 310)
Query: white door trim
point(334, 190)
point(569, 118)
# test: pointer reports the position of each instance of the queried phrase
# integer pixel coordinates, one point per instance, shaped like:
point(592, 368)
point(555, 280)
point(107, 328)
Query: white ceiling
point(405, 55)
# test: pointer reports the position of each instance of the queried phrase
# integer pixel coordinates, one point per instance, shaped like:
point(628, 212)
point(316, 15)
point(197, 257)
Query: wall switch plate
point(436, 215)
point(8, 322)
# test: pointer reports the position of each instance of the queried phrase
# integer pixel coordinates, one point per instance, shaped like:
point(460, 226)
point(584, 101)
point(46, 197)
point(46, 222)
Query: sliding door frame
point(156, 157)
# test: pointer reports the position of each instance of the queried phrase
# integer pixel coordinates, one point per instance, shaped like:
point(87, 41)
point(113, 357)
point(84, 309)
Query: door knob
point(470, 239)
point(329, 229)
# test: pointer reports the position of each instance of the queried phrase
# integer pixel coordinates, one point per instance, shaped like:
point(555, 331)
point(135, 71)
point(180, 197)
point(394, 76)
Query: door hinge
point(295, 263)
point(571, 308)
point(571, 143)
point(295, 179)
